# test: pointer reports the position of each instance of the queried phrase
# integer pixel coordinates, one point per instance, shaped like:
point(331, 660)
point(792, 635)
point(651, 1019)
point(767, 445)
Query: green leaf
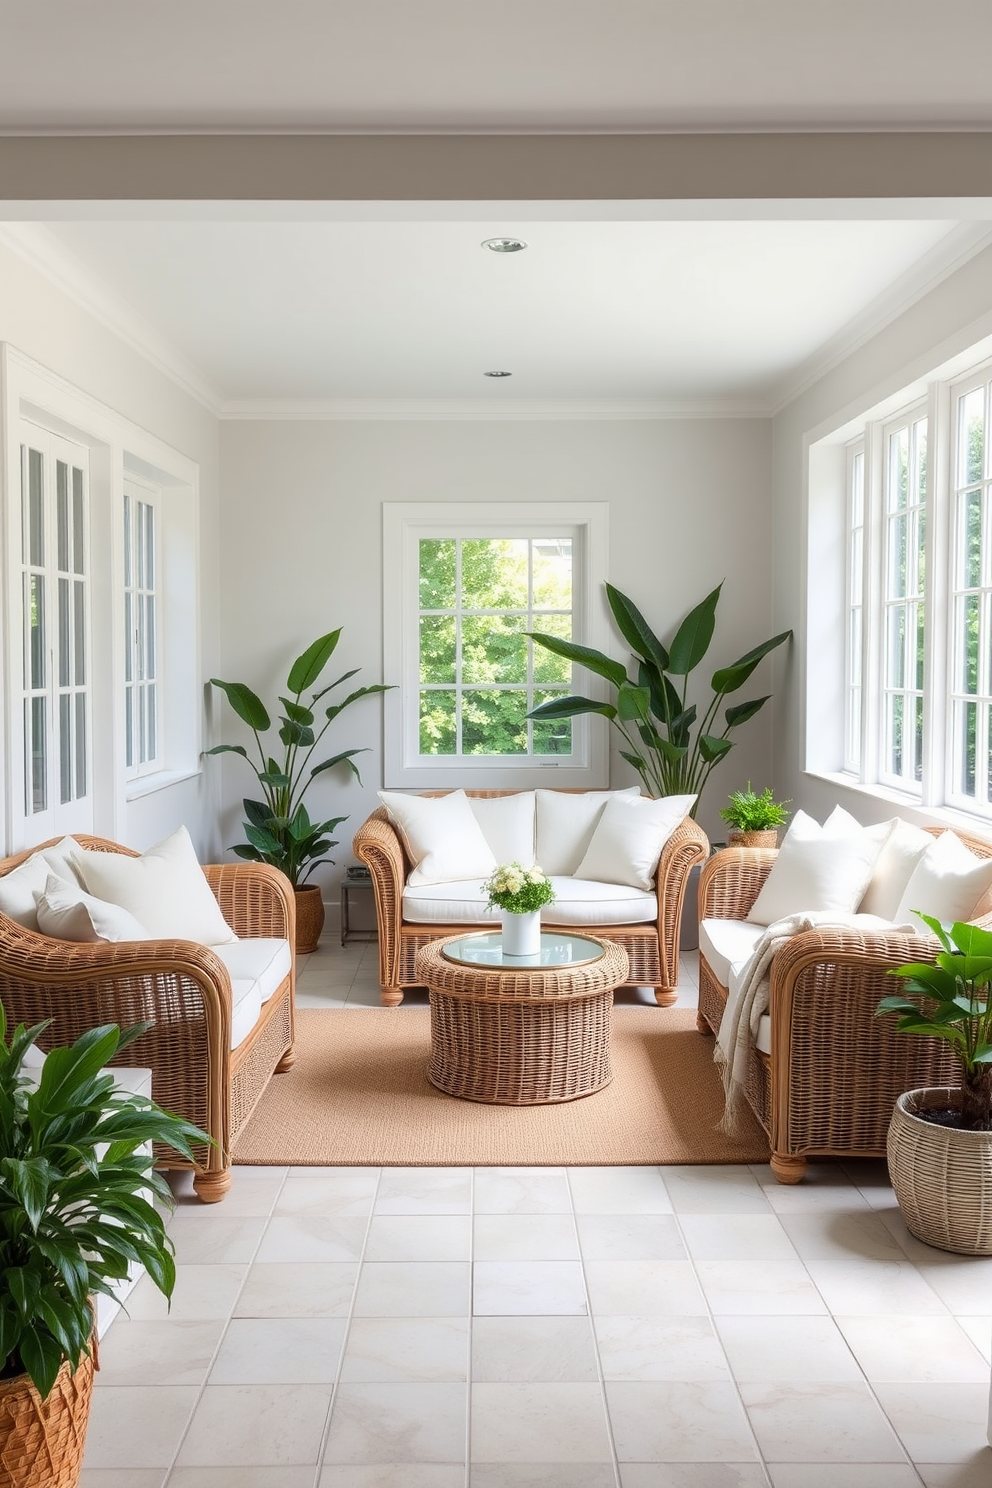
point(712, 748)
point(741, 712)
point(29, 1181)
point(277, 779)
point(308, 667)
point(300, 827)
point(257, 813)
point(228, 749)
point(632, 702)
point(593, 661)
point(571, 707)
point(246, 704)
point(972, 940)
point(692, 639)
point(353, 697)
point(297, 712)
point(261, 839)
point(42, 1359)
point(728, 679)
point(635, 629)
point(299, 734)
point(639, 764)
point(345, 758)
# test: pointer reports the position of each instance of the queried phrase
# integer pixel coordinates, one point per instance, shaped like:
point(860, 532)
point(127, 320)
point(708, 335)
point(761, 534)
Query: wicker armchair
point(183, 990)
point(828, 1086)
point(652, 947)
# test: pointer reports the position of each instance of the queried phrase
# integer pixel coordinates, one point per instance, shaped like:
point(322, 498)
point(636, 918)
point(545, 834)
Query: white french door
point(56, 682)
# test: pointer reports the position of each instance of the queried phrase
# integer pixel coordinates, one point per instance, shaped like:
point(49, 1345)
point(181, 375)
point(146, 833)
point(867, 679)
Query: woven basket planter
point(768, 837)
point(309, 918)
point(41, 1441)
point(942, 1176)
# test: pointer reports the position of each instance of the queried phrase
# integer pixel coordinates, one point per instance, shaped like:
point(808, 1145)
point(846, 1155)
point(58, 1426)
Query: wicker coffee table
point(520, 1034)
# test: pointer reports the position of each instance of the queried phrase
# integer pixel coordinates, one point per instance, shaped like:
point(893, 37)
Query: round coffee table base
point(520, 1054)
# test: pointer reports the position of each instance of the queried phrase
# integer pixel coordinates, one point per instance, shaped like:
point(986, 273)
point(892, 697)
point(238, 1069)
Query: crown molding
point(944, 259)
point(484, 410)
point(38, 247)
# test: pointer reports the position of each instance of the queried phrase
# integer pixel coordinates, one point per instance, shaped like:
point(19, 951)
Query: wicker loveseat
point(183, 990)
point(826, 1082)
point(652, 945)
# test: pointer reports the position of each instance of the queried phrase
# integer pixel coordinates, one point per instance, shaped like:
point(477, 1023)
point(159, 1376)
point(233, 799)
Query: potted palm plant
point(940, 1139)
point(76, 1211)
point(753, 818)
point(278, 827)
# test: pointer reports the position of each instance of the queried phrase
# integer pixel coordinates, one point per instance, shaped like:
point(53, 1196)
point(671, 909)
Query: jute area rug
point(358, 1095)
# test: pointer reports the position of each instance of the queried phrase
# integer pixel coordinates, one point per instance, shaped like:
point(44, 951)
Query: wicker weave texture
point(653, 948)
point(42, 1441)
point(521, 1038)
point(942, 1177)
point(182, 990)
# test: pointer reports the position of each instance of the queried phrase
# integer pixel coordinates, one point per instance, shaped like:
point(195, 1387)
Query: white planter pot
point(521, 933)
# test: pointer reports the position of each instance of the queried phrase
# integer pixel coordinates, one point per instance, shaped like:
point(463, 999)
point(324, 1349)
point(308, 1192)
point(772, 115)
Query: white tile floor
point(535, 1328)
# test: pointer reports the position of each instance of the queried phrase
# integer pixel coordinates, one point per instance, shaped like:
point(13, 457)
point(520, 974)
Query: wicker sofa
point(184, 991)
point(652, 946)
point(826, 1082)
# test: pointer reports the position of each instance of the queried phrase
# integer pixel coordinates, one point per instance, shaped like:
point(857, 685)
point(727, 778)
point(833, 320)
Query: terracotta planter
point(766, 838)
point(942, 1176)
point(41, 1441)
point(309, 918)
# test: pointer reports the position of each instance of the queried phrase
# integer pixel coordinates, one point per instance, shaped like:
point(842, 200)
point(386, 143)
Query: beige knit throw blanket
point(749, 992)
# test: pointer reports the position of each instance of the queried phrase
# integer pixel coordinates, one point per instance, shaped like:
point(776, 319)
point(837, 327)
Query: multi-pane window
point(56, 667)
point(854, 660)
point(478, 673)
point(904, 488)
point(971, 602)
point(140, 630)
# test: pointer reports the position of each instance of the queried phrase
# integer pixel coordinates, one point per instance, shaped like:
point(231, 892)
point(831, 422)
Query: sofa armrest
point(377, 844)
point(687, 846)
point(731, 881)
point(255, 899)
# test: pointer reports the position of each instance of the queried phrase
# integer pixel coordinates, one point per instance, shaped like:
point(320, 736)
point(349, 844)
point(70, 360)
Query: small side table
point(347, 889)
point(521, 1031)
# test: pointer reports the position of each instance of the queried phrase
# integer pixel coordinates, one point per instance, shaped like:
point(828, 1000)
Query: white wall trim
point(484, 410)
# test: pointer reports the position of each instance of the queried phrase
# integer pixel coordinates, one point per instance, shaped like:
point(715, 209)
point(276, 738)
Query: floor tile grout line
point(223, 1334)
point(592, 1329)
point(470, 1340)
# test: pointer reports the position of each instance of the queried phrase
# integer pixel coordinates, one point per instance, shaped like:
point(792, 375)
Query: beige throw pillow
point(67, 912)
point(165, 890)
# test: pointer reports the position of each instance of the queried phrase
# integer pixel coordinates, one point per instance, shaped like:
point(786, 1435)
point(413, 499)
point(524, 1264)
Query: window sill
point(147, 785)
point(910, 806)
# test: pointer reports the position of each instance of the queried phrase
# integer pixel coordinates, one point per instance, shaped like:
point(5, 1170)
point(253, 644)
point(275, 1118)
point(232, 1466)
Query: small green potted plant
point(940, 1139)
point(278, 827)
point(753, 818)
point(521, 894)
point(76, 1212)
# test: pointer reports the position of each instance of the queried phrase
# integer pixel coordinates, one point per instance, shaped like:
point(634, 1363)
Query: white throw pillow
point(566, 821)
point(20, 888)
point(901, 851)
point(443, 840)
point(165, 889)
point(818, 869)
point(67, 912)
point(947, 883)
point(507, 824)
point(628, 839)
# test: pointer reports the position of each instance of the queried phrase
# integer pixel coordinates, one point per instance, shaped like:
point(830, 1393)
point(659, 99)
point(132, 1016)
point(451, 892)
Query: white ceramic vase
point(521, 933)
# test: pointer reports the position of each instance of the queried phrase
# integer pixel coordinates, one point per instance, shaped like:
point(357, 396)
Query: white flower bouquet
point(518, 890)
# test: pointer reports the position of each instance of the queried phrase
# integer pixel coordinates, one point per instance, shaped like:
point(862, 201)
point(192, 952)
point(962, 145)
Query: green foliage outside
point(72, 1221)
point(495, 649)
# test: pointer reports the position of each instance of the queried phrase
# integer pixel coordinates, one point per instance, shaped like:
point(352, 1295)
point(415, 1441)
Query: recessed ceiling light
point(497, 374)
point(504, 245)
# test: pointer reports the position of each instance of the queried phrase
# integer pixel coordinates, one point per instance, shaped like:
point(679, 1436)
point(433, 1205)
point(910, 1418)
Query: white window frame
point(136, 648)
point(404, 524)
point(877, 493)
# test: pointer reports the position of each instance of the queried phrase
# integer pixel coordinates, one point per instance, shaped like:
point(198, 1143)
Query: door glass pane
point(129, 724)
point(65, 748)
point(78, 527)
point(36, 745)
point(79, 626)
point(81, 781)
point(149, 512)
point(149, 635)
point(62, 514)
point(128, 543)
point(128, 639)
point(36, 629)
point(35, 514)
point(152, 722)
point(64, 632)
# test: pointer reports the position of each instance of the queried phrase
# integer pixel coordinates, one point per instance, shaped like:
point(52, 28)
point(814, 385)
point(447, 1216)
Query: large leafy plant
point(951, 1002)
point(278, 827)
point(671, 744)
point(76, 1195)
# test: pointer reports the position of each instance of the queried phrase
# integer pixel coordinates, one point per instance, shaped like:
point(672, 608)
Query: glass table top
point(558, 949)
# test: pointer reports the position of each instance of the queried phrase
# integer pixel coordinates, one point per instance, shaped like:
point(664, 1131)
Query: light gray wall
point(39, 320)
point(944, 323)
point(301, 515)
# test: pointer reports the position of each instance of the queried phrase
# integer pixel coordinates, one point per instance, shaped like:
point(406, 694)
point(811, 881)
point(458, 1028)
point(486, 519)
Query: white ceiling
point(462, 65)
point(598, 316)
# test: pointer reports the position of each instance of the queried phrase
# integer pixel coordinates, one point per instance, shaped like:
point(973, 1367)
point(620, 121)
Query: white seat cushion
point(507, 824)
point(257, 959)
point(727, 943)
point(577, 902)
point(246, 1004)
